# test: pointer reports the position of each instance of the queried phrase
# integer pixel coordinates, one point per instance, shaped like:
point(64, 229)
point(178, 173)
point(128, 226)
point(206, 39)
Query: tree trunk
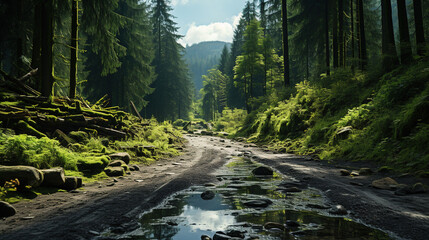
point(352, 22)
point(37, 37)
point(335, 35)
point(389, 55)
point(341, 32)
point(46, 48)
point(328, 70)
point(285, 44)
point(362, 37)
point(74, 48)
point(404, 33)
point(420, 34)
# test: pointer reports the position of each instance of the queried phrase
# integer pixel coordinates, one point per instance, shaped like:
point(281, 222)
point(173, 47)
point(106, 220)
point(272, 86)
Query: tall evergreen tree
point(404, 33)
point(389, 55)
point(418, 23)
point(361, 35)
point(172, 96)
point(285, 43)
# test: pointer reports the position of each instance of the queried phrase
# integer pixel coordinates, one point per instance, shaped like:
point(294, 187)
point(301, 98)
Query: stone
point(70, 183)
point(79, 182)
point(63, 138)
point(384, 183)
point(258, 203)
point(263, 171)
point(354, 173)
point(338, 210)
point(116, 163)
point(274, 225)
point(124, 156)
point(93, 164)
point(134, 168)
point(345, 172)
point(114, 171)
point(53, 177)
point(207, 195)
point(235, 233)
point(418, 188)
point(365, 171)
point(6, 210)
point(221, 236)
point(79, 136)
point(27, 176)
point(403, 189)
point(205, 237)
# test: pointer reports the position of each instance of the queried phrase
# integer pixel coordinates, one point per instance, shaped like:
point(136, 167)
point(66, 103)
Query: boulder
point(384, 183)
point(205, 237)
point(207, 195)
point(124, 156)
point(345, 172)
point(263, 171)
point(235, 233)
point(93, 164)
point(116, 163)
point(79, 182)
point(365, 171)
point(53, 177)
point(114, 171)
point(134, 168)
point(403, 189)
point(6, 210)
point(221, 236)
point(27, 176)
point(70, 183)
point(418, 188)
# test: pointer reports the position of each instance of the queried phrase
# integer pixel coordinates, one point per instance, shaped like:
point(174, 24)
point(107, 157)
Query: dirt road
point(85, 213)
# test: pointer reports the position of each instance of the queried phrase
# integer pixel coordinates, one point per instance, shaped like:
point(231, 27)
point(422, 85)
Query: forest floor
point(85, 213)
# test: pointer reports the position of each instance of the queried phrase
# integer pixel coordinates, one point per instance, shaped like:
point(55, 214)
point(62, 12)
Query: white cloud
point(178, 2)
point(218, 31)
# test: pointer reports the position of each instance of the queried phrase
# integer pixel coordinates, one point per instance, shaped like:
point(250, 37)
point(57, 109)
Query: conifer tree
point(418, 23)
point(404, 33)
point(389, 55)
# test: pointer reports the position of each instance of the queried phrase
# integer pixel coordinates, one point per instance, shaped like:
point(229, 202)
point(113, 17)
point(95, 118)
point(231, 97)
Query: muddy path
point(86, 213)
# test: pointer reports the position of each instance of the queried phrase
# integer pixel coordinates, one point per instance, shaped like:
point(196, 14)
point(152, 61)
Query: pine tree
point(418, 22)
point(285, 43)
point(404, 33)
point(172, 96)
point(389, 55)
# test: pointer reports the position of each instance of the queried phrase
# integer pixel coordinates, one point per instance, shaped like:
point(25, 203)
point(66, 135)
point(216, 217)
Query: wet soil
point(86, 213)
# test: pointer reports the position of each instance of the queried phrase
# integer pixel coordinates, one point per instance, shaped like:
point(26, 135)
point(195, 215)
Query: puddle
point(239, 209)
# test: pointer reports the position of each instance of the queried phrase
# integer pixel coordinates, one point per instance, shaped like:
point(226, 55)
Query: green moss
point(27, 128)
point(79, 136)
point(93, 164)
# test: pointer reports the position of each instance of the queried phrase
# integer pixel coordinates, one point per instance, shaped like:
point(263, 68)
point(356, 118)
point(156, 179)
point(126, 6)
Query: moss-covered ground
point(352, 116)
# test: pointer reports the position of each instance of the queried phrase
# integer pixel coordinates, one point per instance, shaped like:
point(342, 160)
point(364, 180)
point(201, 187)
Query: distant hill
point(201, 57)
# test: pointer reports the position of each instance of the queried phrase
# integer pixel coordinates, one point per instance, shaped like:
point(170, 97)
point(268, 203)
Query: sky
point(206, 20)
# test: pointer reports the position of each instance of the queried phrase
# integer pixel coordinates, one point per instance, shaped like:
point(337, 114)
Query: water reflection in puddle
point(186, 216)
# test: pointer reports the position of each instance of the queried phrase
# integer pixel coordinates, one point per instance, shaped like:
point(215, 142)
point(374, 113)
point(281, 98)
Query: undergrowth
point(352, 116)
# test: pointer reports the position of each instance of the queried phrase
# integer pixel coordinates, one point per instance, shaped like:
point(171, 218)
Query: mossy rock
point(70, 183)
point(79, 136)
point(114, 171)
point(27, 176)
point(93, 164)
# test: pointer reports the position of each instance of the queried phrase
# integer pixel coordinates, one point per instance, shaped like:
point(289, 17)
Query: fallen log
point(27, 176)
point(109, 131)
point(135, 110)
point(19, 84)
point(28, 75)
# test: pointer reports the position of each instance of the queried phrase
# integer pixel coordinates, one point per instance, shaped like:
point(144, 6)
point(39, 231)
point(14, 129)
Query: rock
point(345, 172)
point(116, 163)
point(79, 182)
point(365, 171)
point(384, 183)
point(263, 171)
point(93, 164)
point(418, 188)
point(27, 176)
point(403, 189)
point(79, 136)
point(6, 210)
point(205, 237)
point(274, 225)
point(258, 203)
point(221, 236)
point(124, 156)
point(338, 210)
point(292, 224)
point(114, 171)
point(207, 195)
point(354, 173)
point(70, 183)
point(134, 168)
point(235, 233)
point(53, 177)
point(63, 138)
